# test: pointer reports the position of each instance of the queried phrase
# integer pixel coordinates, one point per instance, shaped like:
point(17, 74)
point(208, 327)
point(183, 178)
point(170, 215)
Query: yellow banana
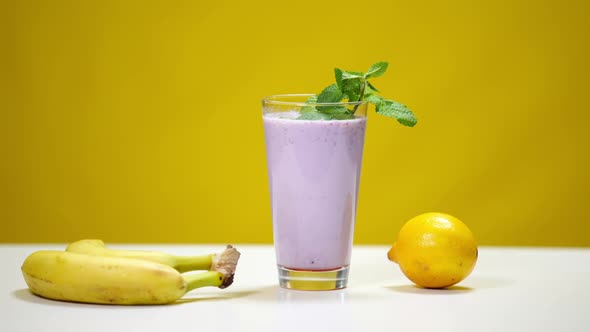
point(69, 276)
point(181, 263)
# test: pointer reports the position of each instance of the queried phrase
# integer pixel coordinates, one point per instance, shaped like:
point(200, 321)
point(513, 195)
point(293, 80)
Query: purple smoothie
point(314, 169)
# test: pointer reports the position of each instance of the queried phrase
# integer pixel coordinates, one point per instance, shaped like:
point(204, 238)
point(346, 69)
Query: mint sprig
point(355, 86)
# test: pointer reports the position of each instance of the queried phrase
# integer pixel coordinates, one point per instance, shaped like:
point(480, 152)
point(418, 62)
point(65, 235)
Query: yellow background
point(139, 121)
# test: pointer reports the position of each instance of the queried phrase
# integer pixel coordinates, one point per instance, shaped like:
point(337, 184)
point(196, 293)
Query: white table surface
point(510, 289)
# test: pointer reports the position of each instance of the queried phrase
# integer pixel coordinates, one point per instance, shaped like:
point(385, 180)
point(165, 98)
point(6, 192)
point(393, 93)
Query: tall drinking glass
point(314, 170)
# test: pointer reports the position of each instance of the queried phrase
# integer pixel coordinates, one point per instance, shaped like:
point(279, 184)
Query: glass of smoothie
point(314, 168)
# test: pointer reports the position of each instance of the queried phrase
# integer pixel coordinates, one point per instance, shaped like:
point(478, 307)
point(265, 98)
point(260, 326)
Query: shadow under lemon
point(415, 289)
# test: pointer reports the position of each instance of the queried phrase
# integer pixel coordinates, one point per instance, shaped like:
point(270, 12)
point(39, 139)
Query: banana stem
point(193, 263)
point(224, 262)
point(204, 279)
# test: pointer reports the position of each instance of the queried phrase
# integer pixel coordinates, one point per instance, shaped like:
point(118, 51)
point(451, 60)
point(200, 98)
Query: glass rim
point(275, 100)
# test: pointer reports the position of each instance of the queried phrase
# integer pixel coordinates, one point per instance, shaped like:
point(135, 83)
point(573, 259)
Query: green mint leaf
point(331, 110)
point(314, 115)
point(398, 111)
point(347, 116)
point(369, 90)
point(347, 75)
point(338, 73)
point(371, 87)
point(351, 88)
point(354, 86)
point(374, 99)
point(330, 94)
point(323, 116)
point(306, 109)
point(377, 69)
point(310, 100)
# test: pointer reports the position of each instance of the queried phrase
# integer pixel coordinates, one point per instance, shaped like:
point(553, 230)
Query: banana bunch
point(87, 271)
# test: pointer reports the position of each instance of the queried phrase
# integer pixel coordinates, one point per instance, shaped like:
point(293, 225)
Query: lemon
point(435, 250)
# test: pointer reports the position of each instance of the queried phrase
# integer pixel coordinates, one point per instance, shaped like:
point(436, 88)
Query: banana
point(76, 277)
point(181, 263)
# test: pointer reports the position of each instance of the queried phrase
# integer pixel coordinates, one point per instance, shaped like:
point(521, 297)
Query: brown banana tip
point(227, 281)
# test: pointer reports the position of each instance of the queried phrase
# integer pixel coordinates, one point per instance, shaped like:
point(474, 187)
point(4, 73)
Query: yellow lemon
point(435, 250)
